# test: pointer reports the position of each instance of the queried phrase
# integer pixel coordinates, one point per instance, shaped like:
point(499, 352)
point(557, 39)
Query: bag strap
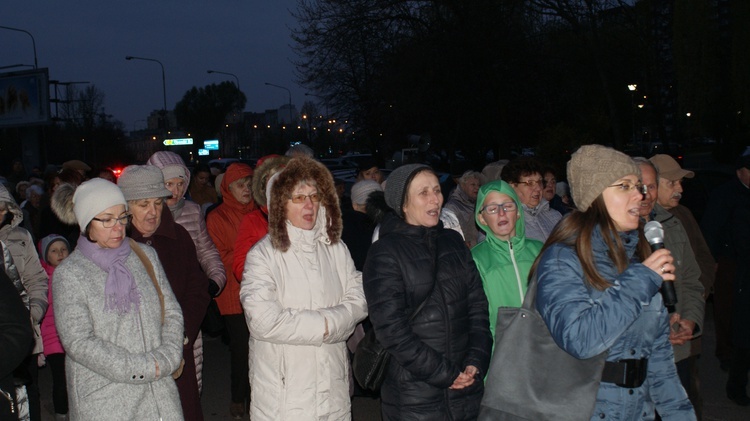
point(529, 301)
point(150, 269)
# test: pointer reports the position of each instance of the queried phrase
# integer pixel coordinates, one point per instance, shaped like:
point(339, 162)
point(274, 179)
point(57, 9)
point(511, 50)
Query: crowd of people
point(113, 282)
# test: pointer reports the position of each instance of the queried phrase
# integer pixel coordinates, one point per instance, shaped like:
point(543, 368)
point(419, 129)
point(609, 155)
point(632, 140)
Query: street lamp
point(163, 84)
point(33, 42)
point(632, 88)
point(290, 98)
point(13, 66)
point(226, 73)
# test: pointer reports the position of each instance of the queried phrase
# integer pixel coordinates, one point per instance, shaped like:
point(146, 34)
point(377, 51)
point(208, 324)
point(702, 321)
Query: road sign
point(178, 142)
point(211, 145)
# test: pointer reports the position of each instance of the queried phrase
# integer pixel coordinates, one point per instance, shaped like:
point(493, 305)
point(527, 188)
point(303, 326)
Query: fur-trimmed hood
point(13, 207)
point(297, 170)
point(268, 166)
point(62, 203)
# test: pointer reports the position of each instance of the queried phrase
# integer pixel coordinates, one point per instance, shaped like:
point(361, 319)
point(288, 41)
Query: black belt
point(626, 373)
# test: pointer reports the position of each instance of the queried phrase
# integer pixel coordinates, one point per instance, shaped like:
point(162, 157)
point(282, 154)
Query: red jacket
point(254, 226)
point(222, 224)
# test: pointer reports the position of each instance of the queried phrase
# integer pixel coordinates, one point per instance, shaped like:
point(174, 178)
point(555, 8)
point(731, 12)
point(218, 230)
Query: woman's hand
point(465, 379)
point(660, 262)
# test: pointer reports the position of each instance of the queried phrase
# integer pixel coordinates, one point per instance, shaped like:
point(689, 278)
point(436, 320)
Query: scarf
point(120, 291)
point(176, 209)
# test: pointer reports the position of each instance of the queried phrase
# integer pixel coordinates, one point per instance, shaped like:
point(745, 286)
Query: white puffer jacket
point(296, 373)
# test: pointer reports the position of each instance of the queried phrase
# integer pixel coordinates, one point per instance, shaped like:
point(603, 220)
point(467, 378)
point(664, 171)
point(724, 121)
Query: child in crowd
point(52, 250)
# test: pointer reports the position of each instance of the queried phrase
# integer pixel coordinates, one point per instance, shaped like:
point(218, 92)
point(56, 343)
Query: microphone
point(654, 233)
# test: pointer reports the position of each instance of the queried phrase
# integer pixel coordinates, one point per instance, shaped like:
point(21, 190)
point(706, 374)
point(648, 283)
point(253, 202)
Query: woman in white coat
point(302, 298)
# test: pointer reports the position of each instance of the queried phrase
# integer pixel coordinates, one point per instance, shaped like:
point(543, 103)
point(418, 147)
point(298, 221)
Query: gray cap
point(395, 187)
point(142, 182)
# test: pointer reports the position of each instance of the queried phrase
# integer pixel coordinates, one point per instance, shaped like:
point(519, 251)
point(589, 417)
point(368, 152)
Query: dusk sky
point(86, 40)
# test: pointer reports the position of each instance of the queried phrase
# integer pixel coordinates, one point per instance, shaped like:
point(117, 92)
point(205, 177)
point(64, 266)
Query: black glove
point(213, 288)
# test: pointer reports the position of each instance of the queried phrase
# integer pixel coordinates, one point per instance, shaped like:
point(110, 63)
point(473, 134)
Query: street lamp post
point(290, 98)
point(163, 85)
point(33, 42)
point(13, 66)
point(228, 74)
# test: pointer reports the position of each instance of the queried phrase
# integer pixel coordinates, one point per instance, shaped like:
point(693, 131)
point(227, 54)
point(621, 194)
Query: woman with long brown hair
point(598, 290)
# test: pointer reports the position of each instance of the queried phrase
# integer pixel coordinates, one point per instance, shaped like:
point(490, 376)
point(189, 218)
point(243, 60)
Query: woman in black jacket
point(441, 356)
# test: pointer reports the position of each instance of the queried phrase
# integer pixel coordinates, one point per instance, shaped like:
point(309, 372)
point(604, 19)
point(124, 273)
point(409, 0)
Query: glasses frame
point(499, 206)
point(532, 183)
point(127, 218)
point(314, 198)
point(628, 187)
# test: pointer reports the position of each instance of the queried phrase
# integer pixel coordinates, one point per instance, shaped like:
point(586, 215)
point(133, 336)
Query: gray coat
point(110, 358)
point(690, 302)
point(541, 220)
point(20, 245)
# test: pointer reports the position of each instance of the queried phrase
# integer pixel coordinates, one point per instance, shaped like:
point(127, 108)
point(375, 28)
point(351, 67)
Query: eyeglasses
point(300, 198)
point(110, 222)
point(627, 187)
point(495, 208)
point(533, 183)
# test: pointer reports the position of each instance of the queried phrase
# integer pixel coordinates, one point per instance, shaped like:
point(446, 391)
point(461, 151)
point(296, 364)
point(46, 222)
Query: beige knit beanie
point(592, 168)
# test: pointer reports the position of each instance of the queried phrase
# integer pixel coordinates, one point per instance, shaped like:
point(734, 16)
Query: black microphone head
point(654, 232)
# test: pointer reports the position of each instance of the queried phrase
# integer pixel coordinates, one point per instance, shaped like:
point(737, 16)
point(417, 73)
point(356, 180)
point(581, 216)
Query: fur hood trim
point(268, 167)
point(297, 170)
point(62, 203)
point(13, 208)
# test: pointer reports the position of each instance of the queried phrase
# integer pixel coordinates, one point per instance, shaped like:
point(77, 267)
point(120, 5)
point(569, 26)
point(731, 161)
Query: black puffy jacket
point(450, 332)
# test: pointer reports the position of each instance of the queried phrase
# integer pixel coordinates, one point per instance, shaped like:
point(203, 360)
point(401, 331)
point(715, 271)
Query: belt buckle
point(633, 374)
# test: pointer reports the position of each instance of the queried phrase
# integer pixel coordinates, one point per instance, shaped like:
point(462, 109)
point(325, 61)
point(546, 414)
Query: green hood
point(505, 188)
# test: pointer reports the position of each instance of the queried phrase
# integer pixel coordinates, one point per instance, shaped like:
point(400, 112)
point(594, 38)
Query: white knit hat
point(93, 197)
point(361, 190)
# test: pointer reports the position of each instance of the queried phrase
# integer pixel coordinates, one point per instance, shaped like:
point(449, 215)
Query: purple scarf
point(120, 290)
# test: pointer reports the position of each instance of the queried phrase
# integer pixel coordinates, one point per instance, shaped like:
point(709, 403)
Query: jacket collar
point(165, 229)
point(629, 241)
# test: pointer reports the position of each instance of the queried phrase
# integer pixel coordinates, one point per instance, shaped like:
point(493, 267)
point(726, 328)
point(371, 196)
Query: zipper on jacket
point(515, 268)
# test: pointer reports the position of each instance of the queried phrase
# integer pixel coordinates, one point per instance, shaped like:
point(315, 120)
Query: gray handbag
point(530, 377)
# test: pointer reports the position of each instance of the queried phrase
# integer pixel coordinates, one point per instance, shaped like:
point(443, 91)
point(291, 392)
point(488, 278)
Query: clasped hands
point(465, 378)
point(681, 330)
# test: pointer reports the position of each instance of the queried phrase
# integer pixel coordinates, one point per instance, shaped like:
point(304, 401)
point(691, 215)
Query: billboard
point(24, 98)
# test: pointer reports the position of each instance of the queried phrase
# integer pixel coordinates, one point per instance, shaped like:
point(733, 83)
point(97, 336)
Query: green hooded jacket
point(504, 265)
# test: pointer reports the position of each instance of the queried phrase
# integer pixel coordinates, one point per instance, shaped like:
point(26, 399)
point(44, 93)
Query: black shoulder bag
point(370, 362)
